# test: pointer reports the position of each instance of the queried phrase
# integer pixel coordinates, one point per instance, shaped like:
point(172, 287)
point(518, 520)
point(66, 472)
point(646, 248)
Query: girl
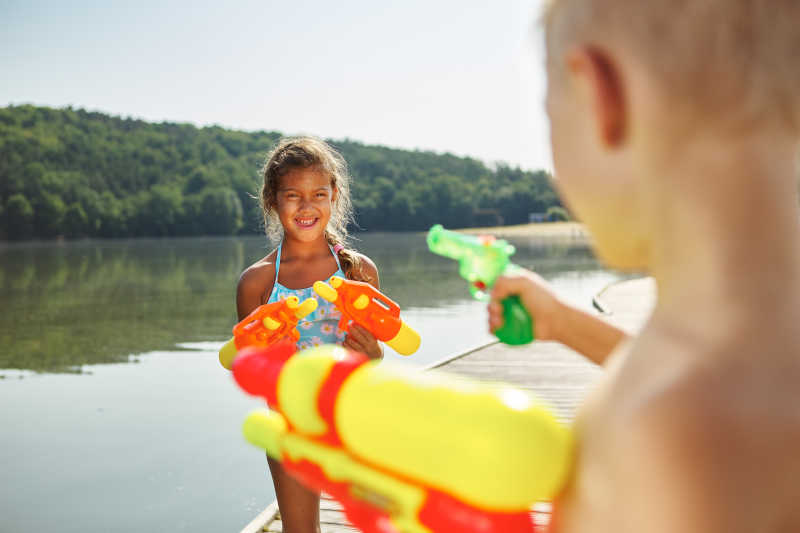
point(305, 199)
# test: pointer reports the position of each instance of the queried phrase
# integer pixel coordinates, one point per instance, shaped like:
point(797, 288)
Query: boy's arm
point(587, 334)
point(555, 320)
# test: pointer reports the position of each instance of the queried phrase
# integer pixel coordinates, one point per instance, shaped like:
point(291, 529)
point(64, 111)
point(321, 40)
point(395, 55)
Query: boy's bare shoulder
point(665, 447)
point(702, 435)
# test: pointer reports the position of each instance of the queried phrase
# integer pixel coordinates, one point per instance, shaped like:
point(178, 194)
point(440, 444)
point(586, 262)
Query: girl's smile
point(306, 222)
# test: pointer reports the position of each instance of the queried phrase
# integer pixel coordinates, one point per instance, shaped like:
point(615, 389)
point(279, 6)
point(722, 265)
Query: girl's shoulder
point(259, 277)
point(365, 270)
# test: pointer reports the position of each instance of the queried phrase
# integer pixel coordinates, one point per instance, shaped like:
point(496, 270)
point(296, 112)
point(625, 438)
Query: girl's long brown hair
point(309, 152)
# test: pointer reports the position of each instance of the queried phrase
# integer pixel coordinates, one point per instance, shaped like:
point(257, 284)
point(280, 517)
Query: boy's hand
point(553, 320)
point(537, 297)
point(360, 340)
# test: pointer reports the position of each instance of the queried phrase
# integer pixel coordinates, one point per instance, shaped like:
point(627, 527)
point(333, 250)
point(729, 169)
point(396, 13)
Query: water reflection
point(78, 303)
point(92, 302)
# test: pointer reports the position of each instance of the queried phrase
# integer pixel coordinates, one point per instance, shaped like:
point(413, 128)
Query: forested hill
point(76, 173)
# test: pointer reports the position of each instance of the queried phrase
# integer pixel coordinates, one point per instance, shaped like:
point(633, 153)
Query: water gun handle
point(517, 325)
point(344, 322)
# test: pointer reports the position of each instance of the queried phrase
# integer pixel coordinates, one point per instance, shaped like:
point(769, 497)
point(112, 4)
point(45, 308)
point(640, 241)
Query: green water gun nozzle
point(481, 260)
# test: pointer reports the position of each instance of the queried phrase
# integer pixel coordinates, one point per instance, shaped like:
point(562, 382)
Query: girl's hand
point(360, 340)
point(537, 297)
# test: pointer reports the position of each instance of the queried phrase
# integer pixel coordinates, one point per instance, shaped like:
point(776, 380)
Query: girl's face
point(303, 203)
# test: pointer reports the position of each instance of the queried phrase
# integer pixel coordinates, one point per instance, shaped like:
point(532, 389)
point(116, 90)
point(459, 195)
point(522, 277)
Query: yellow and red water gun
point(266, 325)
point(403, 450)
point(365, 305)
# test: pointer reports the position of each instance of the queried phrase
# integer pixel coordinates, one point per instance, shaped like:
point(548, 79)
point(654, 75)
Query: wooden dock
point(549, 370)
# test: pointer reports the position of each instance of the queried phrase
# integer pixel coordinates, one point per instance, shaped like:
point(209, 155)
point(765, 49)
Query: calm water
point(116, 415)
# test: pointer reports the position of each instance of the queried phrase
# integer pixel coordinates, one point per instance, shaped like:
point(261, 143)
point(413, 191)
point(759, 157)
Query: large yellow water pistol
point(425, 450)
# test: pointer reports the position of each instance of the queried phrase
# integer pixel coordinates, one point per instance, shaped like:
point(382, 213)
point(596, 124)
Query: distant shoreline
point(544, 229)
point(572, 230)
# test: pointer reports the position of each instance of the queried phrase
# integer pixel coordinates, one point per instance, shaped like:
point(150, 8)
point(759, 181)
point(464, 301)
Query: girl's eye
point(322, 195)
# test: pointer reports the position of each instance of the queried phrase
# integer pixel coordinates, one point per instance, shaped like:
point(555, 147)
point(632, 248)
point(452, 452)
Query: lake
point(116, 415)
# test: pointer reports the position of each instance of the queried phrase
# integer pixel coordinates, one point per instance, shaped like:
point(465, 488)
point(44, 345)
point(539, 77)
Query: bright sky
point(462, 76)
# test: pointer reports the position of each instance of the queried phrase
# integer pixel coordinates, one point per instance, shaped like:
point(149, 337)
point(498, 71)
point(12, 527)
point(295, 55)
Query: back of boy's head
point(732, 64)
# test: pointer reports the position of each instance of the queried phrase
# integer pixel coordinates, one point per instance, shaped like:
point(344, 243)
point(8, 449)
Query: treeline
point(74, 173)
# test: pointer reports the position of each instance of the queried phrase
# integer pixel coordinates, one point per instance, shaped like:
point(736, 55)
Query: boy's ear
point(600, 80)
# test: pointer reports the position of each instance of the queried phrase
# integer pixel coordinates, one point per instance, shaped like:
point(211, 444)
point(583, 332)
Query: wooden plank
point(277, 527)
point(329, 523)
point(329, 504)
point(264, 518)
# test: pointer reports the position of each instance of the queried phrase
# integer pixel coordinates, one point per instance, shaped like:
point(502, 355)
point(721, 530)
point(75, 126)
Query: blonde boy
point(675, 131)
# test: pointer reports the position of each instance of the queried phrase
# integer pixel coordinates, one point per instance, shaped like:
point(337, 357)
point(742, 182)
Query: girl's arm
point(254, 283)
point(358, 338)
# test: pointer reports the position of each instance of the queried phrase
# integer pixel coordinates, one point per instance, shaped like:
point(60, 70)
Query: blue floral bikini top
point(320, 327)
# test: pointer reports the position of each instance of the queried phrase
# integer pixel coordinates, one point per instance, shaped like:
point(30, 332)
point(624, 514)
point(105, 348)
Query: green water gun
point(481, 260)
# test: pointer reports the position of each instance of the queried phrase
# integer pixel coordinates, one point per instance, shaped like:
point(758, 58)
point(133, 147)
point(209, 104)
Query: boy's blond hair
point(735, 63)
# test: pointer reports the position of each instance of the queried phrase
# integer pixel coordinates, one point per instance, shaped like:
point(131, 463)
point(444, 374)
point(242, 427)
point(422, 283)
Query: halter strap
point(278, 261)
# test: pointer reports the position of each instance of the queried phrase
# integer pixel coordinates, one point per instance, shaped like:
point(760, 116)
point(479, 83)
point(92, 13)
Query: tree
point(557, 214)
point(221, 212)
point(163, 208)
point(19, 217)
point(49, 214)
point(191, 222)
point(76, 222)
point(133, 178)
point(91, 204)
point(113, 222)
point(3, 223)
point(198, 180)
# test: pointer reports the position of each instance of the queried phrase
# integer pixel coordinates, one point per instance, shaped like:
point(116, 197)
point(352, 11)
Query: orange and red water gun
point(266, 325)
point(406, 451)
point(365, 305)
